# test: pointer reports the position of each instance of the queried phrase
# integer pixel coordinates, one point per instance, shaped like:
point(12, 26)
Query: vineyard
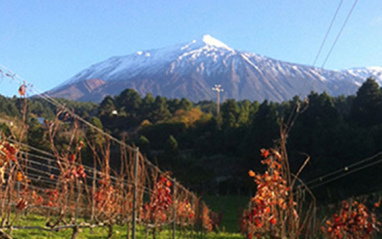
point(55, 185)
point(72, 195)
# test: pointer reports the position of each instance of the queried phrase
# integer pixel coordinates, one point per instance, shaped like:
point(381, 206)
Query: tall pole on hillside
point(218, 89)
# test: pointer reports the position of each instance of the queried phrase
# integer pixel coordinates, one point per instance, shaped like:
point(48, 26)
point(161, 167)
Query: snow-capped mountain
point(365, 72)
point(190, 70)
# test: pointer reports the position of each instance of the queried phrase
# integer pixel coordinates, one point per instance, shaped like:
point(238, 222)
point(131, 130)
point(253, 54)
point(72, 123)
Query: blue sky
point(47, 42)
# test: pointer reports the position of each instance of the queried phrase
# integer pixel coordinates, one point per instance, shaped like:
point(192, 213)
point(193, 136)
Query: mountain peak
point(211, 41)
point(189, 70)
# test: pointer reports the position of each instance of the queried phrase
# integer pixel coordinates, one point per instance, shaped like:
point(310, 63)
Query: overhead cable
point(327, 32)
point(339, 33)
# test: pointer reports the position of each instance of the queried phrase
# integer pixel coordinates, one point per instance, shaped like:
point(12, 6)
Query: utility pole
point(218, 89)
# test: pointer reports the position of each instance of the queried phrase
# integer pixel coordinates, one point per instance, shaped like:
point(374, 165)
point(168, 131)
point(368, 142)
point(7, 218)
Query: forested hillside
point(212, 153)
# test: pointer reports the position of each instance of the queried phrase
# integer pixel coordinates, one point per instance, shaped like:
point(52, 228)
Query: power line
point(346, 168)
point(339, 33)
point(347, 173)
point(327, 33)
point(326, 36)
point(344, 171)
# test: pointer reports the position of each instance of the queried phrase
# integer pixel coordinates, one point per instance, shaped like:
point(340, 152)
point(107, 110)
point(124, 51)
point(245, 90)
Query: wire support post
point(135, 194)
point(174, 209)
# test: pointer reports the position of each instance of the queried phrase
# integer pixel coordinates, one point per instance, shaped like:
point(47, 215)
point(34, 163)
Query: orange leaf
point(264, 153)
point(22, 90)
point(19, 177)
point(267, 210)
point(273, 220)
point(280, 202)
point(251, 173)
point(168, 184)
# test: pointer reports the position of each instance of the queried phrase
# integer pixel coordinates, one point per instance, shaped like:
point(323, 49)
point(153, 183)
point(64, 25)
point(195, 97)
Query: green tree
point(160, 110)
point(230, 112)
point(107, 106)
point(247, 111)
point(4, 129)
point(147, 107)
point(12, 107)
point(366, 107)
point(93, 135)
point(266, 123)
point(37, 136)
point(262, 132)
point(143, 144)
point(185, 104)
point(315, 127)
point(207, 106)
point(173, 105)
point(171, 146)
point(130, 101)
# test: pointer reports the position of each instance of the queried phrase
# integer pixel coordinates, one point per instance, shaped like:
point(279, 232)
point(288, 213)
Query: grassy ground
point(100, 234)
point(231, 207)
point(118, 233)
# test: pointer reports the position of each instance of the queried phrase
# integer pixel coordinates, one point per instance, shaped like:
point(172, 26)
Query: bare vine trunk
point(76, 231)
point(110, 233)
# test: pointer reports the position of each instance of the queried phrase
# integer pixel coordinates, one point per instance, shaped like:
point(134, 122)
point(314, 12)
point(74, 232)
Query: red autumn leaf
point(21, 204)
point(72, 158)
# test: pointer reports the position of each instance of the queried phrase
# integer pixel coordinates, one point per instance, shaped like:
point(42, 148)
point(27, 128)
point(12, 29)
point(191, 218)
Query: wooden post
point(174, 210)
point(134, 220)
point(314, 220)
point(18, 189)
point(93, 195)
point(193, 219)
point(78, 200)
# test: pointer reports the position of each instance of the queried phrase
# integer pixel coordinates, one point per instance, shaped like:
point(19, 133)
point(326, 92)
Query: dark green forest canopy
point(213, 153)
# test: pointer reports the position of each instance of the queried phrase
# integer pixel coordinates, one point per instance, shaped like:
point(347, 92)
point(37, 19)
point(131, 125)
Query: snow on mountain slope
point(153, 60)
point(190, 70)
point(365, 72)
